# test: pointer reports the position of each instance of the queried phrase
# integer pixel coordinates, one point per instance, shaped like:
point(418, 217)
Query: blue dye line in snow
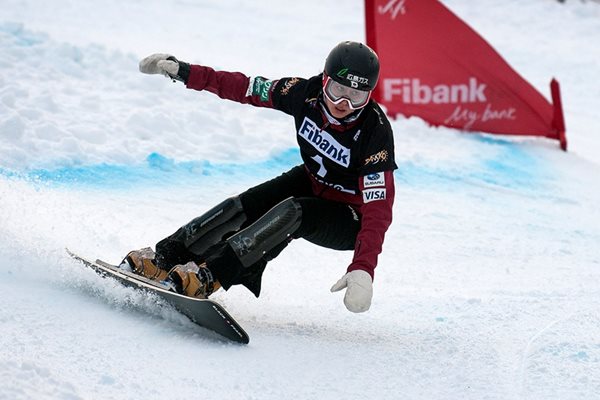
point(157, 169)
point(512, 166)
point(20, 35)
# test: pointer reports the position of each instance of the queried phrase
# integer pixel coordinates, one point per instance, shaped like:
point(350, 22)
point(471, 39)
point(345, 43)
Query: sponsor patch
point(370, 195)
point(324, 143)
point(261, 87)
point(288, 85)
point(374, 180)
point(378, 157)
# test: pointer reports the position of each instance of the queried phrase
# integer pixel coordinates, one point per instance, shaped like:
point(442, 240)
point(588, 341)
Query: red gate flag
point(436, 67)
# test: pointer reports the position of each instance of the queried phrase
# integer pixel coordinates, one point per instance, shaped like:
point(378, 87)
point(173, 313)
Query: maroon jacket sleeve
point(233, 86)
point(376, 210)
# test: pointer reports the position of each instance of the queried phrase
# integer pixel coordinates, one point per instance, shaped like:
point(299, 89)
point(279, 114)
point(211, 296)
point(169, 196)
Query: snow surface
point(489, 283)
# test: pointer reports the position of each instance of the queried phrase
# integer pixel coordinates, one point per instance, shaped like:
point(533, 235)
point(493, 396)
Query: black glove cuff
point(184, 70)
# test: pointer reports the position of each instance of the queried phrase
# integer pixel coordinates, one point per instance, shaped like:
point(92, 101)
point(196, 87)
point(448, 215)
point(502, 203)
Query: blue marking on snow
point(580, 356)
point(510, 166)
point(505, 164)
point(157, 169)
point(22, 36)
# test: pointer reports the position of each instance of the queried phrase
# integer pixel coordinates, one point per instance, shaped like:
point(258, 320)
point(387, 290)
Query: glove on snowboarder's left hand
point(359, 290)
point(167, 65)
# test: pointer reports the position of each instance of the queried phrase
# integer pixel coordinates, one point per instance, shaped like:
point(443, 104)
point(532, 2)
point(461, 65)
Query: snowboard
point(204, 312)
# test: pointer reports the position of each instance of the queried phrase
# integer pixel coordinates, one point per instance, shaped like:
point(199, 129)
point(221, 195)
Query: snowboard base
point(204, 312)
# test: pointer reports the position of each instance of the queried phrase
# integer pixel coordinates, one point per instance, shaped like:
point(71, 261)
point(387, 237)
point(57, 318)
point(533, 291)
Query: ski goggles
point(336, 93)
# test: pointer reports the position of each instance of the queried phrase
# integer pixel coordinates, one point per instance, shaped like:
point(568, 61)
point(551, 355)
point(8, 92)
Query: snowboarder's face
point(339, 111)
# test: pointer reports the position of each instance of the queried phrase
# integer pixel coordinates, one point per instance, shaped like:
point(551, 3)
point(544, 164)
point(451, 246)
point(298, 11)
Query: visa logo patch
point(376, 179)
point(370, 195)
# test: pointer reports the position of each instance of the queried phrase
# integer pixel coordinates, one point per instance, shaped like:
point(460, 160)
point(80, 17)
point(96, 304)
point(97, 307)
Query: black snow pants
point(323, 222)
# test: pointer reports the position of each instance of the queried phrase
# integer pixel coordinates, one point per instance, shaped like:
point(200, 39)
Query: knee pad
point(268, 232)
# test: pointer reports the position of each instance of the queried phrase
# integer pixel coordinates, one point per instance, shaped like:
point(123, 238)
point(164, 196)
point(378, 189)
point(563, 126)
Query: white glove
point(158, 64)
point(359, 290)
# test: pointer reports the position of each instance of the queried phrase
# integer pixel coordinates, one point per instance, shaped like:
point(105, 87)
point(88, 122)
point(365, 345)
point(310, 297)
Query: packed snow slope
point(489, 283)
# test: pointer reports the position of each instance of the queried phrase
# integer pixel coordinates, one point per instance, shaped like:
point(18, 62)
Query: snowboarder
point(341, 197)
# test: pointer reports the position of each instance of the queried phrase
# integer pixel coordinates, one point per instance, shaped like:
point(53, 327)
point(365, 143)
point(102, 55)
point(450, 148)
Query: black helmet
point(354, 65)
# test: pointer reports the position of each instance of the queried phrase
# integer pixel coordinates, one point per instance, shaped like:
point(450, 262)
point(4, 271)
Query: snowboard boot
point(143, 263)
point(194, 280)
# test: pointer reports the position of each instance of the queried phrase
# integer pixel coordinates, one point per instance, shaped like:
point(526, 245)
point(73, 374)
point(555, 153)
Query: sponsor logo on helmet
point(358, 79)
point(342, 72)
point(324, 143)
point(381, 156)
point(354, 80)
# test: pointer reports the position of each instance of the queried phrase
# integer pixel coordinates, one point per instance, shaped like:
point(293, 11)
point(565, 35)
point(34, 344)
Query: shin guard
point(267, 233)
point(210, 228)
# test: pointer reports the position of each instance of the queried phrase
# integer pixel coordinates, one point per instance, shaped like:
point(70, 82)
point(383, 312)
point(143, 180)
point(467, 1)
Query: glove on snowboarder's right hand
point(167, 65)
point(159, 63)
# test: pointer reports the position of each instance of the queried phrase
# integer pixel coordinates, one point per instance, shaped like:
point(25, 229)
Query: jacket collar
point(343, 123)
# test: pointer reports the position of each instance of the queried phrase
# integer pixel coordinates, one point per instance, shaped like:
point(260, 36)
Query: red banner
point(434, 66)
